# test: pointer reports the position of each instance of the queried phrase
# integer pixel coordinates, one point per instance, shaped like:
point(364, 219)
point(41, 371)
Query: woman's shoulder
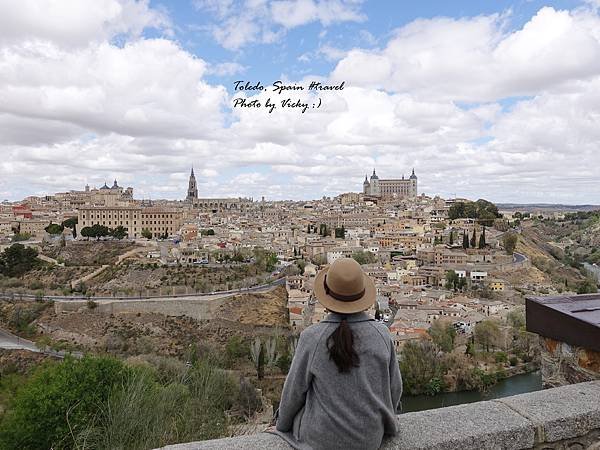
point(382, 331)
point(315, 331)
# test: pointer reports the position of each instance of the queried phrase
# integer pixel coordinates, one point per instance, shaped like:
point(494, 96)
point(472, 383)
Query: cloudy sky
point(499, 100)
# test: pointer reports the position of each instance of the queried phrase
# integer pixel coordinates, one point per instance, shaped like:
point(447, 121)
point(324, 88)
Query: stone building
point(114, 195)
point(213, 205)
point(158, 220)
point(390, 188)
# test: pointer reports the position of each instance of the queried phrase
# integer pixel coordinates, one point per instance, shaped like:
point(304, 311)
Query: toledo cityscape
point(276, 224)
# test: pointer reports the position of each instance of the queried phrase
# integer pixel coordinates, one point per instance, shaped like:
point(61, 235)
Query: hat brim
point(340, 306)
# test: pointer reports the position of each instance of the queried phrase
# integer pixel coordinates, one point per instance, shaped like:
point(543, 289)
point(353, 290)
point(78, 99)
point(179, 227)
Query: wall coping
point(557, 418)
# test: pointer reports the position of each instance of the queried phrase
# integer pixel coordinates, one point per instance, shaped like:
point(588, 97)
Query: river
point(518, 384)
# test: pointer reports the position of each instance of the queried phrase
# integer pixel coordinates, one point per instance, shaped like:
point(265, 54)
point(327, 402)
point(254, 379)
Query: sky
point(497, 100)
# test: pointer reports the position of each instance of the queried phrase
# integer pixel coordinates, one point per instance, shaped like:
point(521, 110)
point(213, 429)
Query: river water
point(518, 384)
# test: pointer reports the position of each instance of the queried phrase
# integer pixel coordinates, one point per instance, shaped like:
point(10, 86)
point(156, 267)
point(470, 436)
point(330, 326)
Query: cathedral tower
point(192, 192)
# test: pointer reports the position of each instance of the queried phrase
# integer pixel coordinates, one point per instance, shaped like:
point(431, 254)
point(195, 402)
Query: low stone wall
point(562, 418)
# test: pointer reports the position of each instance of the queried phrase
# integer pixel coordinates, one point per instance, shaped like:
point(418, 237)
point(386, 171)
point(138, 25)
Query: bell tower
point(192, 192)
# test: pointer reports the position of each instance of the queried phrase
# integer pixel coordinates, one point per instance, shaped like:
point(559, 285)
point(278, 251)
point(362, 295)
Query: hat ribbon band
point(341, 297)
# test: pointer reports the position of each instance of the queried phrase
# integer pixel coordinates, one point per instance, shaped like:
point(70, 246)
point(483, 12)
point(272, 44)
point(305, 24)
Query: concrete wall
point(567, 417)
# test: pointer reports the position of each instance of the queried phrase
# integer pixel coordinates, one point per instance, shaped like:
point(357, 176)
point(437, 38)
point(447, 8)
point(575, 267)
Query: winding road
point(11, 342)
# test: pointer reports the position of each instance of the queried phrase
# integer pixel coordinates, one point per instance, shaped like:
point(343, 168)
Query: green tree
point(452, 279)
point(71, 223)
point(451, 238)
point(17, 260)
point(86, 232)
point(100, 230)
point(119, 232)
point(265, 260)
point(340, 232)
point(516, 319)
point(443, 334)
point(486, 334)
point(509, 240)
point(473, 242)
point(465, 243)
point(95, 231)
point(19, 237)
point(419, 365)
point(363, 257)
point(146, 233)
point(54, 228)
point(482, 239)
point(588, 286)
point(484, 211)
point(323, 230)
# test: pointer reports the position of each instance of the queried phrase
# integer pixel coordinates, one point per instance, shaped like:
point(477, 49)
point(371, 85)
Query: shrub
point(58, 401)
point(284, 362)
point(434, 386)
point(501, 357)
point(143, 413)
point(247, 401)
point(235, 349)
point(420, 363)
point(513, 360)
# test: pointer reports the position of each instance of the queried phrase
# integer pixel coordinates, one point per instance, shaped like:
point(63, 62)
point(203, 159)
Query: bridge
point(566, 417)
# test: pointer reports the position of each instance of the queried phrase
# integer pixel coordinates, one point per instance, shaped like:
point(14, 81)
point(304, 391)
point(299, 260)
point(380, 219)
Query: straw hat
point(344, 288)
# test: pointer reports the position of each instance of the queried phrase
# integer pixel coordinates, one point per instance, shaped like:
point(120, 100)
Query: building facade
point(390, 188)
point(157, 220)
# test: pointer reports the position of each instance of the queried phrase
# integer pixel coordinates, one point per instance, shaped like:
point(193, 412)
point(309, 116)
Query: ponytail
point(341, 347)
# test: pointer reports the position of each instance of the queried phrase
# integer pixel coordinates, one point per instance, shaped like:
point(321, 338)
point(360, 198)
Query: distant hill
point(528, 207)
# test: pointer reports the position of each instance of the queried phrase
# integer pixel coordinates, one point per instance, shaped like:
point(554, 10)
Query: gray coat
point(322, 408)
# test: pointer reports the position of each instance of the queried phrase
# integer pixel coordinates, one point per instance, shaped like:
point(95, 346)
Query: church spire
point(192, 192)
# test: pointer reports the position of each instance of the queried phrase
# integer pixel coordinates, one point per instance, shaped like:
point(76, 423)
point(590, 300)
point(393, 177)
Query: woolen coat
point(322, 408)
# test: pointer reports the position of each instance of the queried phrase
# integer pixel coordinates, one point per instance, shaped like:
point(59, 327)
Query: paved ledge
point(566, 417)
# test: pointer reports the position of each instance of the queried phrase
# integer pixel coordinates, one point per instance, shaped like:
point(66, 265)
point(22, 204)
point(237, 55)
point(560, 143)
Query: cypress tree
point(465, 240)
point(451, 237)
point(482, 239)
point(473, 239)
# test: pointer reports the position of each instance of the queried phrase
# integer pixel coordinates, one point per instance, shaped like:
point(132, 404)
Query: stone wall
point(562, 418)
point(567, 364)
point(198, 308)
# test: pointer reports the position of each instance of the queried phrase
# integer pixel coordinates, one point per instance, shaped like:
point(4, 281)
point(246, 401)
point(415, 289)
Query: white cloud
point(76, 22)
point(146, 87)
point(226, 69)
point(293, 13)
point(76, 108)
point(245, 22)
point(476, 59)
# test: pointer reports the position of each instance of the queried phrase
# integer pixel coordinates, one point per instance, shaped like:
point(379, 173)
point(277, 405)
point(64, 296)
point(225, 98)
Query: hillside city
point(228, 281)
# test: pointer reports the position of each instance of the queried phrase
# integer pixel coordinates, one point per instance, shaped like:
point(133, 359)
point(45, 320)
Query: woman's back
point(322, 407)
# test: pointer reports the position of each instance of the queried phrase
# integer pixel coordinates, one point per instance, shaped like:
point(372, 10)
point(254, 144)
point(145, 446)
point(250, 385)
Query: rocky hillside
point(245, 316)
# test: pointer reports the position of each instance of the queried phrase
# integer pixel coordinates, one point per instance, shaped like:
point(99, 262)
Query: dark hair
point(341, 348)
